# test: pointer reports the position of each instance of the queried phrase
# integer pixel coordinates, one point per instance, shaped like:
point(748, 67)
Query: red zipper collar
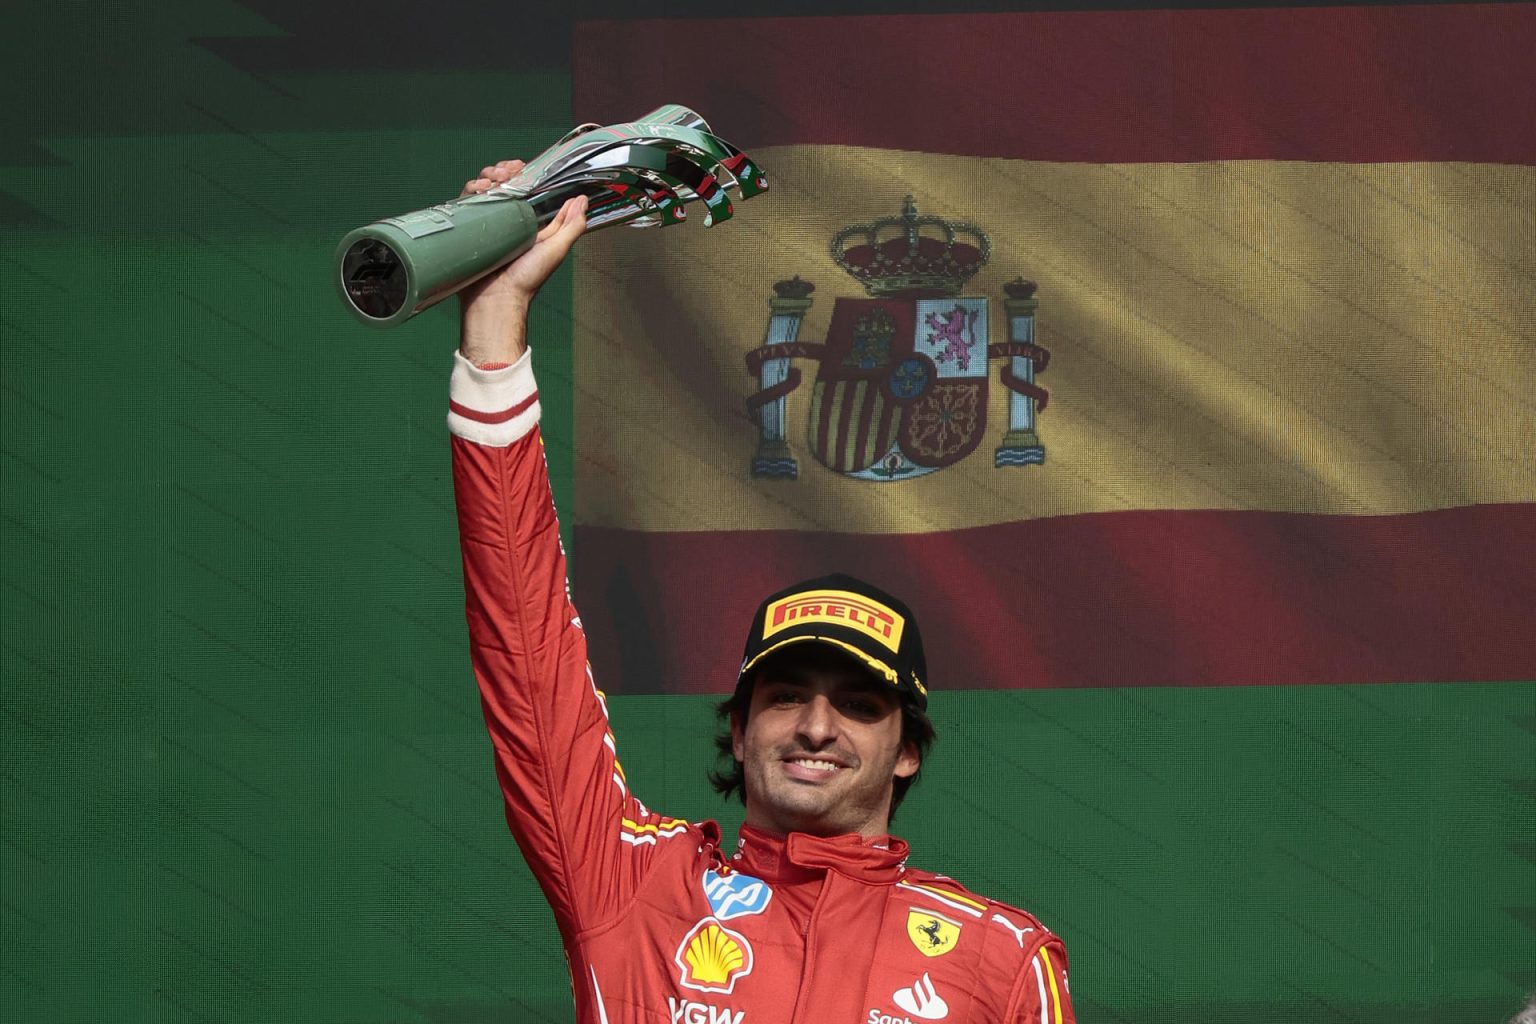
point(775, 857)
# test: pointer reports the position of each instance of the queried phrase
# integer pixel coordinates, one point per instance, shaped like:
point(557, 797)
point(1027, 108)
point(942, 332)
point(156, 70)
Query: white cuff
point(492, 407)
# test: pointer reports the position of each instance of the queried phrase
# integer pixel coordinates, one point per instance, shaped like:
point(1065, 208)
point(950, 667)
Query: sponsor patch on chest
point(686, 1011)
point(919, 1001)
point(711, 958)
point(735, 895)
point(932, 934)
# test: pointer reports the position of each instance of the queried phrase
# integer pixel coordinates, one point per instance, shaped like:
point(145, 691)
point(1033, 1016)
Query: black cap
point(851, 616)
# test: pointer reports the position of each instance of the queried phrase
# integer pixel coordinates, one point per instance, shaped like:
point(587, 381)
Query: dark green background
point(243, 770)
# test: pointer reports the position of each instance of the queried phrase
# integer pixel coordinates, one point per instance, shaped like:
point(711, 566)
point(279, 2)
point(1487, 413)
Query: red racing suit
point(659, 924)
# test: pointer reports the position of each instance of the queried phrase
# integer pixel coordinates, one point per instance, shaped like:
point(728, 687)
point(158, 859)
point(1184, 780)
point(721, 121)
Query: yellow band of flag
point(1286, 336)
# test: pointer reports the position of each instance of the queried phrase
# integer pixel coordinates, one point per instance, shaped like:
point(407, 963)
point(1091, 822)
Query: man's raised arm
point(566, 800)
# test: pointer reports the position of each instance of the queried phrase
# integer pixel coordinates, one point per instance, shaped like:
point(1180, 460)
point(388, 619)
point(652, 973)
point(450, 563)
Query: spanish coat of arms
point(901, 387)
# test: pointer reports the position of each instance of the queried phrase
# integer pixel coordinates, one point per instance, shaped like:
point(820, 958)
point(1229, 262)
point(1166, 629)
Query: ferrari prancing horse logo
point(931, 934)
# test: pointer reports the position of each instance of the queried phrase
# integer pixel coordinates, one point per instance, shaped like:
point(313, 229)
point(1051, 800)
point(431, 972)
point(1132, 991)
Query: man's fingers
point(552, 226)
point(492, 175)
point(572, 209)
point(570, 224)
point(501, 170)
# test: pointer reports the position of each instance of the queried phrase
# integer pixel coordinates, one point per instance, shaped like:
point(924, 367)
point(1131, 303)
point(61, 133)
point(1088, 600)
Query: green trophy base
point(392, 269)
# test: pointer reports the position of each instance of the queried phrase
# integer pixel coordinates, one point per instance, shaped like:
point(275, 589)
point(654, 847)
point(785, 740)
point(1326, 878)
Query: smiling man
point(815, 917)
point(827, 724)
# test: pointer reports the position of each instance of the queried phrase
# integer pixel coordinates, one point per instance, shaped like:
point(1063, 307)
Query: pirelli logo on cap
point(837, 608)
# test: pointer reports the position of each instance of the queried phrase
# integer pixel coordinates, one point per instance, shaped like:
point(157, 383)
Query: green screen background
point(244, 775)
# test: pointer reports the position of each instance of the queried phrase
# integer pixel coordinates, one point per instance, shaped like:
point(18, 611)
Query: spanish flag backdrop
point(1252, 524)
point(1221, 538)
point(1271, 269)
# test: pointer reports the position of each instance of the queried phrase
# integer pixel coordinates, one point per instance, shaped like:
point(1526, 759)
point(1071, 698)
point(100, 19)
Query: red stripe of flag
point(1182, 598)
point(1353, 84)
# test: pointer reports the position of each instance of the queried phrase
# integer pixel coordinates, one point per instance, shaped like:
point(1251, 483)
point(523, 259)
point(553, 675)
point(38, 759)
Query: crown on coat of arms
point(912, 255)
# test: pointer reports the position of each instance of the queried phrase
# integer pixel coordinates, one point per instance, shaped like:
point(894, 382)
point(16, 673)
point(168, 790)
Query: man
point(816, 917)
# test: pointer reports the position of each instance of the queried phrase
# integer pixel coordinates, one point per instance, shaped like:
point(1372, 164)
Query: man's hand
point(495, 308)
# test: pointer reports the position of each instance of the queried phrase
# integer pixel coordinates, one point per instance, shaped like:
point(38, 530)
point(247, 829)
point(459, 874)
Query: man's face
point(821, 748)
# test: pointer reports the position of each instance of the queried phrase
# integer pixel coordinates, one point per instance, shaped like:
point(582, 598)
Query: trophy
point(642, 174)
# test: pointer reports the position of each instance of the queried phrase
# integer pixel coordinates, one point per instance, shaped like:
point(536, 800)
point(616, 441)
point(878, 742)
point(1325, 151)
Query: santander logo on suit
point(920, 999)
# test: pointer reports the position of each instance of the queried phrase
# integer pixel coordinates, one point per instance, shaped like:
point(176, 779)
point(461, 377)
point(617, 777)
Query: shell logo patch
point(932, 934)
point(712, 958)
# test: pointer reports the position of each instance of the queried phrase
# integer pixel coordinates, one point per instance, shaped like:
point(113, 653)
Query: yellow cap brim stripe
point(880, 668)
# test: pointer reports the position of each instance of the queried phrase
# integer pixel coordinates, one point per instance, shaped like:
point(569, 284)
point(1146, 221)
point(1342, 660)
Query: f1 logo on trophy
point(641, 173)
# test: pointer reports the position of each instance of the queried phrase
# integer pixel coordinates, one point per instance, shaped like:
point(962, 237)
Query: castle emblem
point(901, 384)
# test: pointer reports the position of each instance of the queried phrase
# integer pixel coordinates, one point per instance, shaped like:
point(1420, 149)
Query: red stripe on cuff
point(494, 417)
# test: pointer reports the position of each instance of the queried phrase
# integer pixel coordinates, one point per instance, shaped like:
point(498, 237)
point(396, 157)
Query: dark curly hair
point(915, 729)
